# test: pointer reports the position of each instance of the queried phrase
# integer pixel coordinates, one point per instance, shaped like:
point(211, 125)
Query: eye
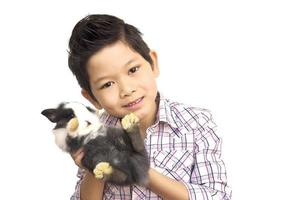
point(88, 123)
point(107, 85)
point(69, 114)
point(133, 69)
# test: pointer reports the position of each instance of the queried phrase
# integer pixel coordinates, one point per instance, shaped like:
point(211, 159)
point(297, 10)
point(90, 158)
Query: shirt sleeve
point(208, 179)
point(76, 194)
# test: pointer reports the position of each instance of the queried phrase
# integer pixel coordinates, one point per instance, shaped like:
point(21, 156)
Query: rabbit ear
point(50, 114)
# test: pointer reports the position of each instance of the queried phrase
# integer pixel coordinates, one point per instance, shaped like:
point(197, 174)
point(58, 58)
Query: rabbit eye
point(69, 114)
point(88, 123)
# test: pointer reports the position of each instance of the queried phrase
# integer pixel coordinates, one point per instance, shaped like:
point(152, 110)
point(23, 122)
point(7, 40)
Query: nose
point(127, 87)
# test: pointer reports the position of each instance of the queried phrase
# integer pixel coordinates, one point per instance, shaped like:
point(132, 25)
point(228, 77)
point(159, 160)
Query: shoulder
point(188, 116)
point(186, 109)
point(109, 120)
point(195, 120)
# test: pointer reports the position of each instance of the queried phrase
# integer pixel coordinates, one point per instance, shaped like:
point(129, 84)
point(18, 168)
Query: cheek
point(108, 101)
point(149, 84)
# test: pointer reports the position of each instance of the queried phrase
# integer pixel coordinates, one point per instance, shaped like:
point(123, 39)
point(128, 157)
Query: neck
point(149, 121)
point(143, 132)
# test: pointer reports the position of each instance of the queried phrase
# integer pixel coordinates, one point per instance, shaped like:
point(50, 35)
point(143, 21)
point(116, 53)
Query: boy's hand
point(77, 156)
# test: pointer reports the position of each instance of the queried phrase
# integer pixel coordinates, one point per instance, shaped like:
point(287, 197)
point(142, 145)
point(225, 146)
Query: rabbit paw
point(72, 127)
point(102, 169)
point(129, 121)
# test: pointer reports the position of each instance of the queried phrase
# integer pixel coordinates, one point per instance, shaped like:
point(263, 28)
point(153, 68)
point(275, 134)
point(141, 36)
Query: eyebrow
point(126, 64)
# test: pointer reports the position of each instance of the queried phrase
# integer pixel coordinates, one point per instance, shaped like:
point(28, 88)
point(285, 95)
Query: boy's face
point(122, 81)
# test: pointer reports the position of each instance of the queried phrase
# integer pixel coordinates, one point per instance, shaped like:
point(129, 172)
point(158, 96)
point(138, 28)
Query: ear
point(154, 65)
point(50, 114)
point(87, 96)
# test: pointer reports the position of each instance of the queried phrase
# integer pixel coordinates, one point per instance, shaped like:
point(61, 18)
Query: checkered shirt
point(182, 144)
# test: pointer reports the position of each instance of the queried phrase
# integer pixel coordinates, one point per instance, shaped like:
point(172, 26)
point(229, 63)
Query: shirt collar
point(164, 114)
point(110, 120)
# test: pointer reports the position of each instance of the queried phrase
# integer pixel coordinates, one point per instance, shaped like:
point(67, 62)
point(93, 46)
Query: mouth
point(134, 103)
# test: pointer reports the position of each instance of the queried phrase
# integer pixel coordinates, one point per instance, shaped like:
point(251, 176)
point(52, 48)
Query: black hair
point(95, 32)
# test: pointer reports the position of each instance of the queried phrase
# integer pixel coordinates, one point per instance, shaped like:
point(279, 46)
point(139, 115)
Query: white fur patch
point(88, 125)
point(60, 138)
point(84, 116)
point(92, 135)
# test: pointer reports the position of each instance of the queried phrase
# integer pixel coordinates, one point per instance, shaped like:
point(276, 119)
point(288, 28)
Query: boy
point(116, 71)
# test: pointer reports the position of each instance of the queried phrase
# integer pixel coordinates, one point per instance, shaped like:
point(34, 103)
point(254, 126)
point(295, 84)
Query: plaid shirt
point(182, 145)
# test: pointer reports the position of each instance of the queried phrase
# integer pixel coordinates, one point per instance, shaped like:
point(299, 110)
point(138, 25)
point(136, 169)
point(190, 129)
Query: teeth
point(133, 103)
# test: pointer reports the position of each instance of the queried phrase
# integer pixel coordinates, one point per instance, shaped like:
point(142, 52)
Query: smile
point(134, 103)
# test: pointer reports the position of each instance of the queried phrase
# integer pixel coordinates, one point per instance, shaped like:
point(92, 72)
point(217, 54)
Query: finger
point(78, 159)
point(79, 151)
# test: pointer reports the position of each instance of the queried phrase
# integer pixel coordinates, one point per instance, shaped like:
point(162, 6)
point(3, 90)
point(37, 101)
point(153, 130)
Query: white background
point(239, 59)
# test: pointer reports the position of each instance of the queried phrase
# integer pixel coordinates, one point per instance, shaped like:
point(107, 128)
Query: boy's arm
point(208, 177)
point(91, 188)
point(166, 187)
point(88, 187)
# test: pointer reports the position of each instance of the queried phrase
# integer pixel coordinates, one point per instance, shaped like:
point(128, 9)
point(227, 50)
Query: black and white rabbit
point(113, 154)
